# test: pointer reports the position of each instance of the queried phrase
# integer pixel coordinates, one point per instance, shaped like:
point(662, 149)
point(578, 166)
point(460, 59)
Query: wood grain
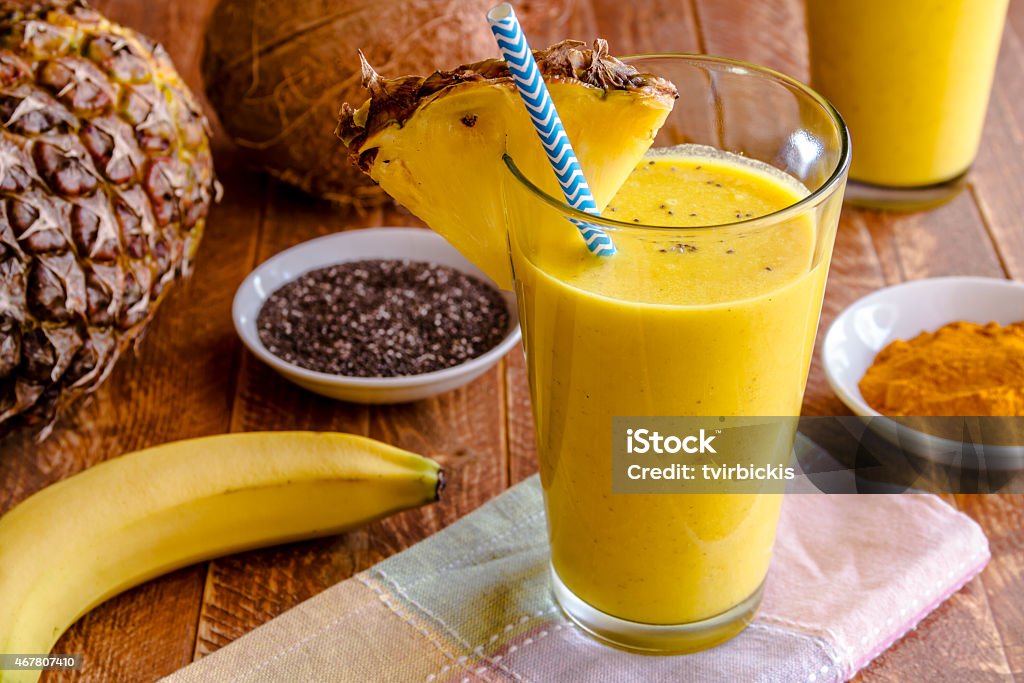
point(767, 33)
point(522, 448)
point(855, 271)
point(995, 180)
point(652, 26)
point(957, 642)
point(190, 376)
point(995, 185)
point(1002, 518)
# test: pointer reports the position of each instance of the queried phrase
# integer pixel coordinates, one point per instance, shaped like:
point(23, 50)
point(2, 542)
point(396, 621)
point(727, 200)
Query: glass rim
point(736, 66)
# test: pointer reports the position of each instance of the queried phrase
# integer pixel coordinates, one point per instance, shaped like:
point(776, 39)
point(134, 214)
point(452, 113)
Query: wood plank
point(650, 26)
point(1002, 518)
point(855, 271)
point(949, 240)
point(464, 430)
point(522, 444)
point(771, 34)
point(957, 642)
point(140, 635)
point(995, 178)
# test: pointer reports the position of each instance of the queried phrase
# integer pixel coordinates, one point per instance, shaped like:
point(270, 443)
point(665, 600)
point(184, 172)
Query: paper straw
point(527, 77)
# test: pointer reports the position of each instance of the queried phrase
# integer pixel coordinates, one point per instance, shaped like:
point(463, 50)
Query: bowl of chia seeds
point(381, 315)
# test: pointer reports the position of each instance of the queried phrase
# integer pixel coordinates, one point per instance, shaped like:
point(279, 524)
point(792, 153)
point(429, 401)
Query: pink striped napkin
point(851, 575)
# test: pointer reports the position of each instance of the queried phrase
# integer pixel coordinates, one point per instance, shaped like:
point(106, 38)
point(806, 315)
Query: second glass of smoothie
point(912, 79)
point(724, 236)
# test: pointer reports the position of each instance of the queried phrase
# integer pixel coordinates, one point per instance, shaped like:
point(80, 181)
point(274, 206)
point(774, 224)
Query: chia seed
point(680, 248)
point(382, 318)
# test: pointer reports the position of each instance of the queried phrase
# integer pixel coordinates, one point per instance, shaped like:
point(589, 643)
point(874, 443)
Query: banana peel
point(83, 540)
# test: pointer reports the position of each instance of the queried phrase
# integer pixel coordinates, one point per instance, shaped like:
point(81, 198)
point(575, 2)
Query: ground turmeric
point(960, 369)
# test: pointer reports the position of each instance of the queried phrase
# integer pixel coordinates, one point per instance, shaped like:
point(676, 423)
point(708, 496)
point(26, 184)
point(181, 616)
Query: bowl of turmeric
point(935, 364)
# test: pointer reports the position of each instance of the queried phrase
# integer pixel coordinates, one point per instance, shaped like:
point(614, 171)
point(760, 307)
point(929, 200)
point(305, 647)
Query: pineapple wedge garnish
point(435, 144)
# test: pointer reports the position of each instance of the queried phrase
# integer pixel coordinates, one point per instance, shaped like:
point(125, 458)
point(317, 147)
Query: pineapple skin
point(106, 179)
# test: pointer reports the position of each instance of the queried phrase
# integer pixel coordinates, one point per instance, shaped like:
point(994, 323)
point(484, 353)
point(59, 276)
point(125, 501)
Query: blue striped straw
point(527, 77)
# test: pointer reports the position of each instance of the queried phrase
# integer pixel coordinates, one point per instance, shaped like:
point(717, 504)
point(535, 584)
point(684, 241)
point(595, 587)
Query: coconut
point(277, 73)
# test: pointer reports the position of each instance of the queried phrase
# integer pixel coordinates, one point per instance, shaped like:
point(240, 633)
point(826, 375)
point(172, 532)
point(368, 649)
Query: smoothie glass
point(680, 322)
point(912, 80)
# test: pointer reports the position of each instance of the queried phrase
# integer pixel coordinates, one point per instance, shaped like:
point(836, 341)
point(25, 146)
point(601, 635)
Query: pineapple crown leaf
point(394, 100)
point(371, 79)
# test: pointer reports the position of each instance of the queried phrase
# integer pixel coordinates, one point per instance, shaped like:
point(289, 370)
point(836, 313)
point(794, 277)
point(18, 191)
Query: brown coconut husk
point(277, 73)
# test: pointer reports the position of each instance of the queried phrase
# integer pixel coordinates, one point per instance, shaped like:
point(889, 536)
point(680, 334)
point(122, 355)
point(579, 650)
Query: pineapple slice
point(435, 144)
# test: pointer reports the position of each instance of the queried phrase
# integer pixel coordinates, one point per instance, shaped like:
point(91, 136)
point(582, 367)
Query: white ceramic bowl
point(388, 243)
point(904, 311)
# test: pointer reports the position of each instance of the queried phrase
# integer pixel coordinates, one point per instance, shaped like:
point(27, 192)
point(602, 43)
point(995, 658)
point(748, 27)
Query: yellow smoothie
point(679, 322)
point(911, 78)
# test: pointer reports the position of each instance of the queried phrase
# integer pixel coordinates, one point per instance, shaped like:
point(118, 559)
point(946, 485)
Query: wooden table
point(191, 377)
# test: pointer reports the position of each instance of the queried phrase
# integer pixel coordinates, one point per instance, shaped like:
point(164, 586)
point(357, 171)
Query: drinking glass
point(607, 337)
point(912, 80)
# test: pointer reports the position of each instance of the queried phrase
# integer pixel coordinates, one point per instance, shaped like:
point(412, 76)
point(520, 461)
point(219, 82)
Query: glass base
point(655, 639)
point(903, 198)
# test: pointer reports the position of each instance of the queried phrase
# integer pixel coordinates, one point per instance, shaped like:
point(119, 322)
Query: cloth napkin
point(851, 574)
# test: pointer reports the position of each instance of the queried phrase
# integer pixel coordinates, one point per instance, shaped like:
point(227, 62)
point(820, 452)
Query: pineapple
point(435, 144)
point(105, 182)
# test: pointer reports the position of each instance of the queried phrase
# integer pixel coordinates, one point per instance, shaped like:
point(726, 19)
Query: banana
point(83, 540)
